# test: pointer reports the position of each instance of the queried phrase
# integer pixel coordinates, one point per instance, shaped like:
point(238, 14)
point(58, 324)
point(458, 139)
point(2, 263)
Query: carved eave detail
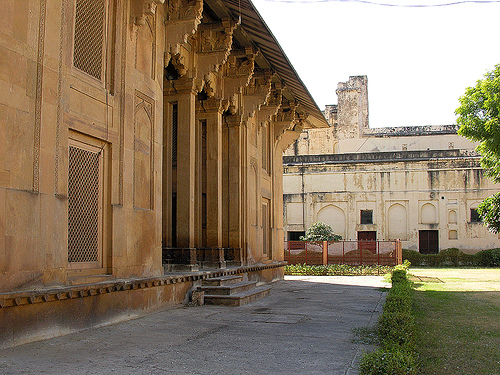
point(257, 92)
point(214, 43)
point(285, 119)
point(272, 105)
point(237, 73)
point(181, 22)
point(289, 136)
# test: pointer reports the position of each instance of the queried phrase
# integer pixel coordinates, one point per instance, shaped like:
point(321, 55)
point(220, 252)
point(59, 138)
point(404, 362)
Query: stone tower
point(352, 107)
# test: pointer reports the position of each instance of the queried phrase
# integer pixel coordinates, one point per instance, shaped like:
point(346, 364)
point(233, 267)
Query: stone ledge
point(375, 157)
point(13, 299)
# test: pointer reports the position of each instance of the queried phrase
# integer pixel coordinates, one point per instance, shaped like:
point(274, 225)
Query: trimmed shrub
point(398, 300)
point(382, 362)
point(414, 257)
point(398, 275)
point(336, 270)
point(453, 258)
point(396, 332)
point(488, 258)
point(449, 257)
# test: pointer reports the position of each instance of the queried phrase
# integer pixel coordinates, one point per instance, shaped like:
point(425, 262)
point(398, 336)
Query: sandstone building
point(137, 135)
point(418, 184)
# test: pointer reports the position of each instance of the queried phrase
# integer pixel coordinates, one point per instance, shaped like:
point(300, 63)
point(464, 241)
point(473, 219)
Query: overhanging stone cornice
point(257, 34)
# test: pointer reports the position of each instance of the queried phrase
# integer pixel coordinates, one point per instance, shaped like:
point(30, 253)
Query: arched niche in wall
point(453, 235)
point(452, 217)
point(335, 217)
point(428, 214)
point(397, 222)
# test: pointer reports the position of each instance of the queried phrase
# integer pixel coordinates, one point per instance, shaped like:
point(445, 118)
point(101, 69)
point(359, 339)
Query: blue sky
point(419, 61)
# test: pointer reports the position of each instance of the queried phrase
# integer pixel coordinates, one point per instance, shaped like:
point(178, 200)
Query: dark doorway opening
point(295, 235)
point(428, 241)
point(367, 240)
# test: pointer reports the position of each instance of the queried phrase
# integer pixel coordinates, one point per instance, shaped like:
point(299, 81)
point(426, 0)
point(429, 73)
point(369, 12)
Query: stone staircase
point(232, 291)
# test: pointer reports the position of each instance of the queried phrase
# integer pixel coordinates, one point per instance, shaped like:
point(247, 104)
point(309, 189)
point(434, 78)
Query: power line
point(391, 5)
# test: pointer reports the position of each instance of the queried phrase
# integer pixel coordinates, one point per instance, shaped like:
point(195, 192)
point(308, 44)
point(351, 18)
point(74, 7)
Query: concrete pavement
point(304, 327)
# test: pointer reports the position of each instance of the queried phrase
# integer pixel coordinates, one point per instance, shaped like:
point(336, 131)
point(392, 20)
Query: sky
point(418, 60)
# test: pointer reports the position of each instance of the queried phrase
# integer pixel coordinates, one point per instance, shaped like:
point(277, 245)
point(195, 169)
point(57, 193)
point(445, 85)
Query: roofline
point(255, 27)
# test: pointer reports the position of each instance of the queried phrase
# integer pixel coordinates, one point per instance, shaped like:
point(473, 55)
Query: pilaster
point(183, 92)
point(211, 110)
point(234, 175)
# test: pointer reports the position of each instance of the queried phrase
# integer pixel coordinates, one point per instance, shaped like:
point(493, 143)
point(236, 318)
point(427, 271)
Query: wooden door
point(428, 241)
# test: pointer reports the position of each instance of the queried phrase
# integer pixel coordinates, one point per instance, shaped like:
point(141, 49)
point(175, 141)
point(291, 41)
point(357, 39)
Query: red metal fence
point(385, 253)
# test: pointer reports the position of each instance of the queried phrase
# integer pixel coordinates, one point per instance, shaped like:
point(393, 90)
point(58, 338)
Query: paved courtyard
point(306, 326)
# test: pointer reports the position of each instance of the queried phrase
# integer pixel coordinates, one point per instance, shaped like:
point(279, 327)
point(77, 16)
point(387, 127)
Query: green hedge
point(454, 258)
point(336, 270)
point(396, 332)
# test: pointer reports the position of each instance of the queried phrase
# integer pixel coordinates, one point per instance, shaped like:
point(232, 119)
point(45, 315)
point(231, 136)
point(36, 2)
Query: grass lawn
point(457, 314)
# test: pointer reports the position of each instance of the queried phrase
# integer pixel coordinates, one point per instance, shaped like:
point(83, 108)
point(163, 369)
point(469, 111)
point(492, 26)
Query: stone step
point(222, 281)
point(228, 289)
point(239, 299)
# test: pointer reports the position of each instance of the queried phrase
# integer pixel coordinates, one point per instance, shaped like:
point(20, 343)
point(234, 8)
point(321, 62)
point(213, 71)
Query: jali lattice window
point(89, 37)
point(84, 200)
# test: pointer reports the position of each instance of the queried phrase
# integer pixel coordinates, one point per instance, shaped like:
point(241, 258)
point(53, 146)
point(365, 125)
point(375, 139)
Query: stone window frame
point(366, 217)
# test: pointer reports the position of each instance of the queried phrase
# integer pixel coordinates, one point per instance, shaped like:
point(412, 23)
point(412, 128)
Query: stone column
point(185, 96)
point(214, 173)
point(234, 185)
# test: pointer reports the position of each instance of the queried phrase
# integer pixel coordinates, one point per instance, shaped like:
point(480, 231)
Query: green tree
point(479, 120)
point(320, 232)
point(489, 211)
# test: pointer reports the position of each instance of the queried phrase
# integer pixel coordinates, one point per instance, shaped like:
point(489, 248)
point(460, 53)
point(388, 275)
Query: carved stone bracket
point(286, 112)
point(237, 74)
point(178, 61)
point(257, 92)
point(289, 136)
point(181, 22)
point(214, 47)
point(285, 119)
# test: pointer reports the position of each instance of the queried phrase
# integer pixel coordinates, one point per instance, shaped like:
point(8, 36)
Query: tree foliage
point(320, 232)
point(479, 120)
point(489, 211)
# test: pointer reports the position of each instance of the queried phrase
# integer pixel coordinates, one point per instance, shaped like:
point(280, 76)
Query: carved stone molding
point(234, 120)
point(140, 9)
point(211, 105)
point(38, 96)
point(184, 85)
